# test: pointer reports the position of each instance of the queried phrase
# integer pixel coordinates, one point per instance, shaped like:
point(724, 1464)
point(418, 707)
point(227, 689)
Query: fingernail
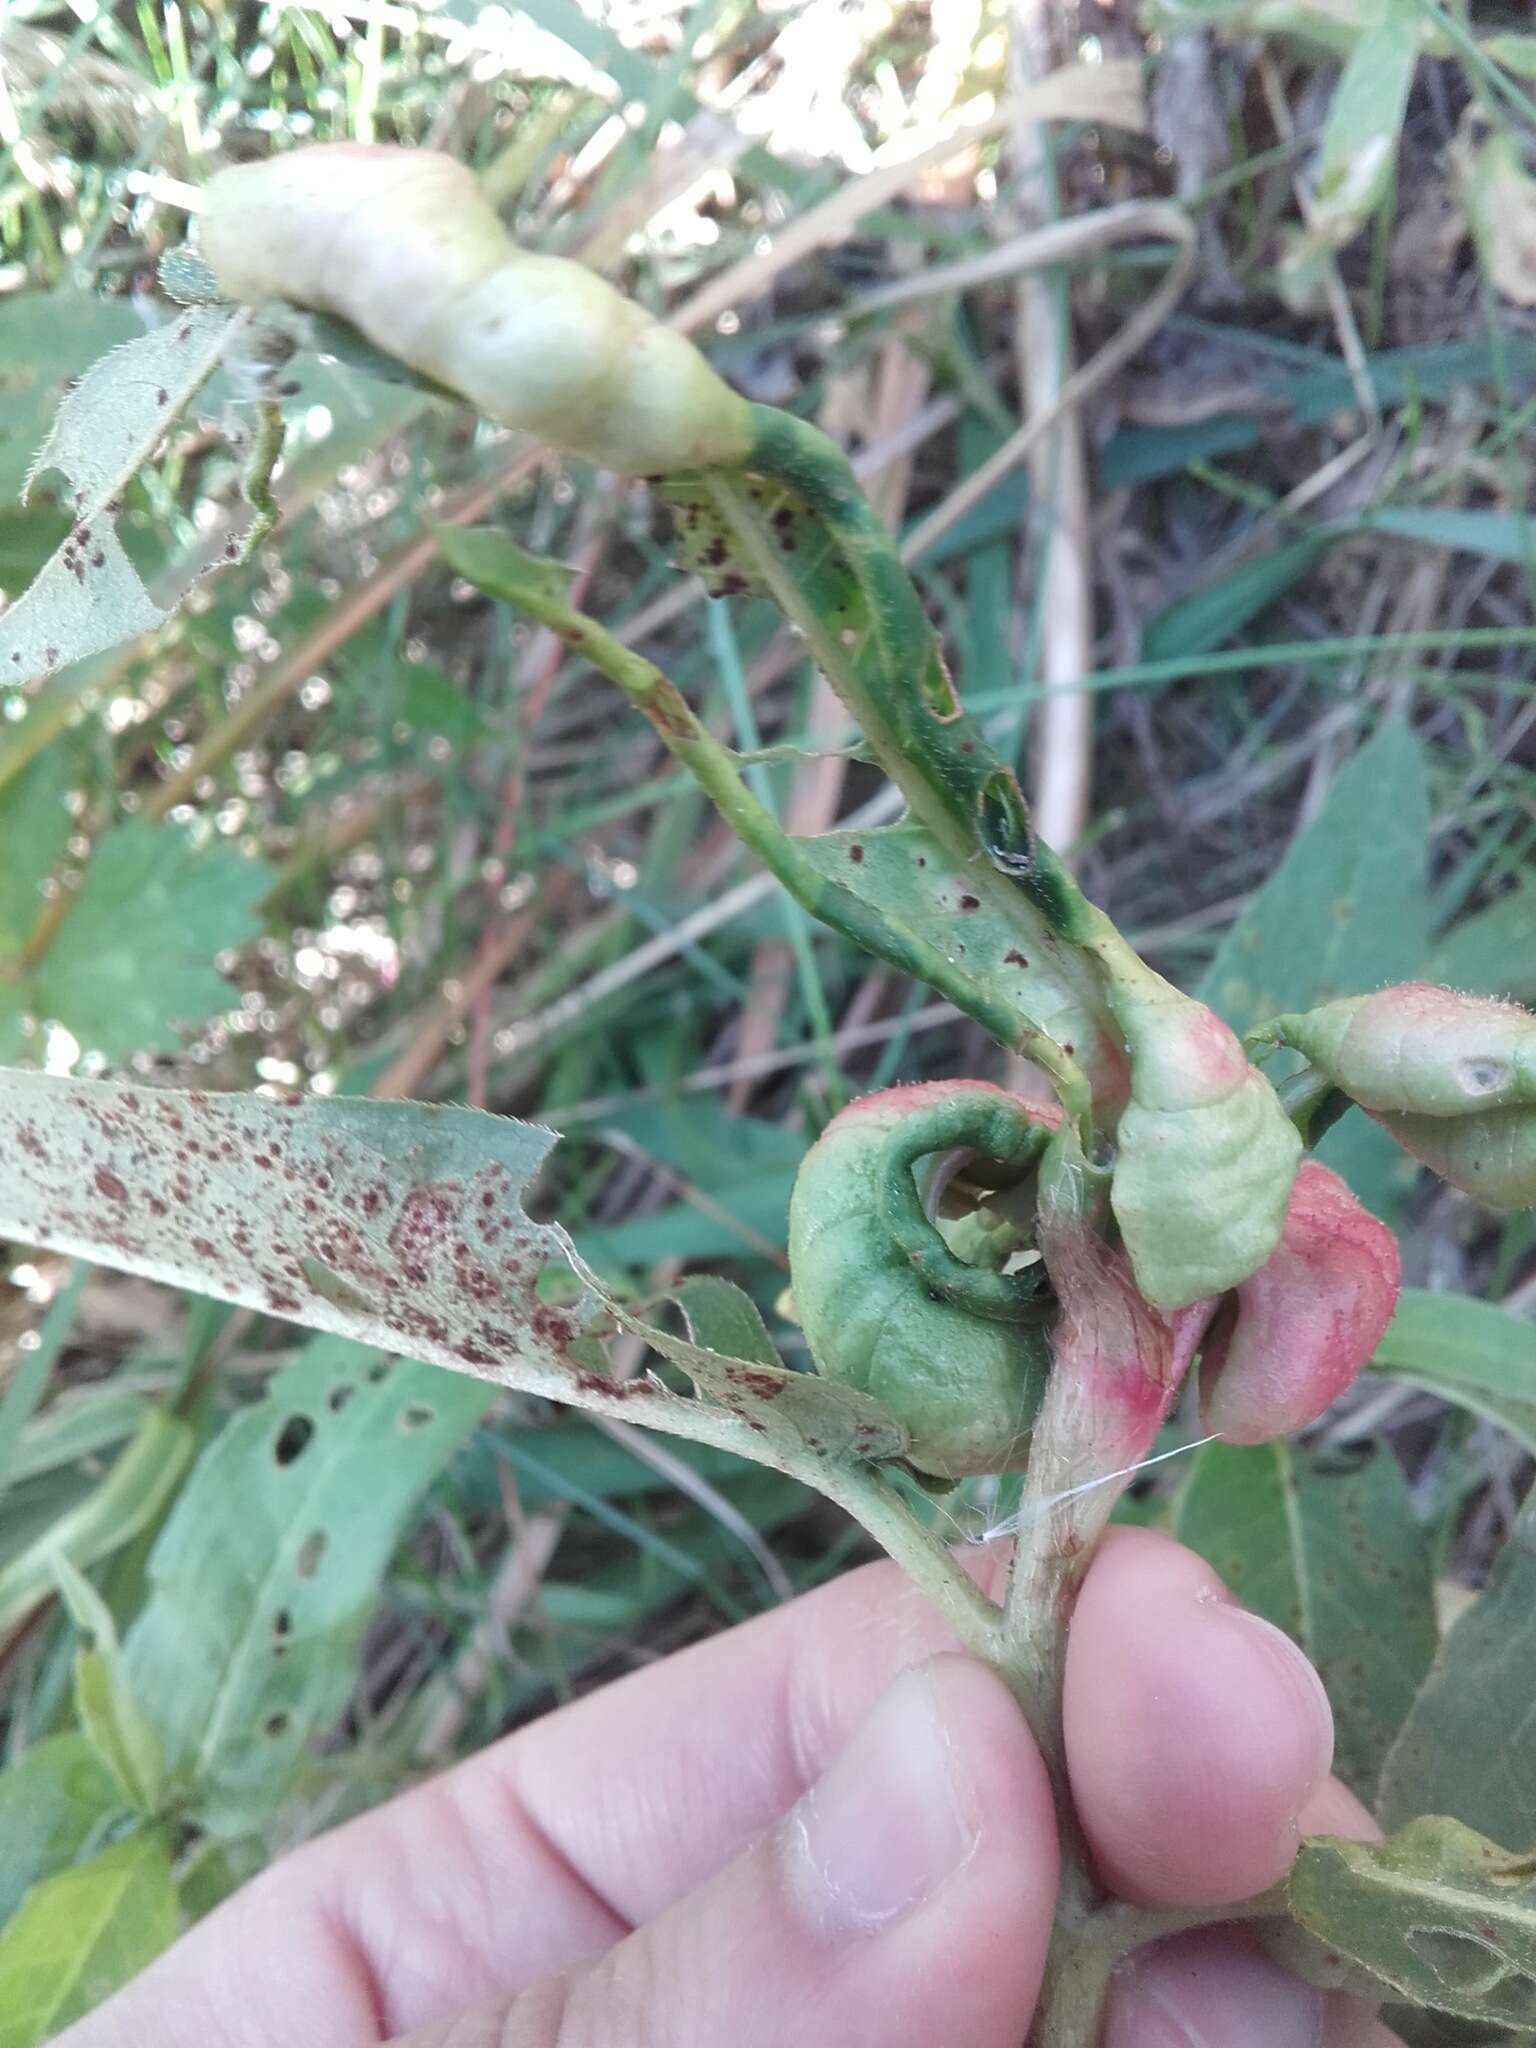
point(885, 1827)
point(1294, 1671)
point(1209, 1991)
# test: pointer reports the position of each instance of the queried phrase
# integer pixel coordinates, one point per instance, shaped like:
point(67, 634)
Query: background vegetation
point(347, 826)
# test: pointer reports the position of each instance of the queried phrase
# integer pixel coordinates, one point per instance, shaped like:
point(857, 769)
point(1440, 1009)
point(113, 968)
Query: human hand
point(822, 1827)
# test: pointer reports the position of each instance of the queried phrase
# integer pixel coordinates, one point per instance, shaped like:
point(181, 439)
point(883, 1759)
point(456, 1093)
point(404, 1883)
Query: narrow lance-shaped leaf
point(793, 525)
point(111, 1717)
point(126, 1501)
point(399, 1224)
point(897, 912)
point(1470, 1352)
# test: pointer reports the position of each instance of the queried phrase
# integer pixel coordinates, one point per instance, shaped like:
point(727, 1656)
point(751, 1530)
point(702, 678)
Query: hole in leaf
point(339, 1396)
point(291, 1438)
point(282, 1623)
point(416, 1415)
point(275, 1725)
point(307, 1558)
point(378, 1372)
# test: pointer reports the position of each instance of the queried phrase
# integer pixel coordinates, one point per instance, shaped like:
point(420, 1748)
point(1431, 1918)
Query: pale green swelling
point(402, 244)
point(965, 1387)
point(1491, 1156)
point(1419, 1050)
point(1206, 1154)
point(1452, 1077)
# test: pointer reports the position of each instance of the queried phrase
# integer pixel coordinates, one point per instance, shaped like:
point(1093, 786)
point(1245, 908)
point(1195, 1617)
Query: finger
point(543, 1850)
point(1334, 1810)
point(1196, 1732)
point(1216, 1988)
point(906, 1898)
point(908, 1893)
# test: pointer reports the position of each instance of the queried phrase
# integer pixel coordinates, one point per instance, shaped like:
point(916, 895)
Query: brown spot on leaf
point(762, 1386)
point(426, 1216)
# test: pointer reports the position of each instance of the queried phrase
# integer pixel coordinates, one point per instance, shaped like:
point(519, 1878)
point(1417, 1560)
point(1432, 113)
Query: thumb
point(905, 1898)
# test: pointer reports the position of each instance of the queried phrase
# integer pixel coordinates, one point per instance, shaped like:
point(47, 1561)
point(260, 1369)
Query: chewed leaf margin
point(398, 1224)
point(88, 596)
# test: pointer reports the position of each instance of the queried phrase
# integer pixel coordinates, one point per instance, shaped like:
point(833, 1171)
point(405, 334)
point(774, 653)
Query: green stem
point(892, 676)
point(879, 1509)
point(888, 670)
point(1090, 1943)
point(261, 467)
point(541, 595)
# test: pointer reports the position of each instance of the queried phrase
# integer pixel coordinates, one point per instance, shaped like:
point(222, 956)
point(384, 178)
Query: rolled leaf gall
point(955, 1351)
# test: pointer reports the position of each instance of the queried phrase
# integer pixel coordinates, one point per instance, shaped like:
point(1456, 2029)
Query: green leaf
point(1467, 1351)
point(1500, 536)
point(79, 1935)
point(1365, 122)
point(1516, 53)
point(83, 1423)
point(414, 694)
point(56, 1799)
point(1345, 910)
point(110, 1719)
point(46, 340)
point(110, 1716)
point(1438, 1912)
point(724, 1318)
point(398, 1224)
point(35, 825)
point(267, 1573)
point(128, 1501)
point(902, 872)
point(1465, 1747)
point(1493, 952)
point(795, 525)
point(494, 563)
point(1337, 1560)
point(132, 964)
point(88, 596)
point(1212, 613)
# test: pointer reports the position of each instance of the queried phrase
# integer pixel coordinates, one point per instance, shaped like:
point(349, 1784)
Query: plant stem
point(717, 770)
point(891, 675)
